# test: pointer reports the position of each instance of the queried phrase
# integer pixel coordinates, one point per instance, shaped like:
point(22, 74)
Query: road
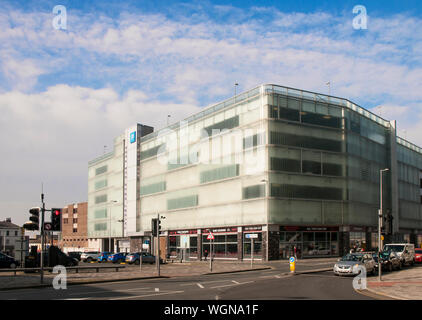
point(271, 284)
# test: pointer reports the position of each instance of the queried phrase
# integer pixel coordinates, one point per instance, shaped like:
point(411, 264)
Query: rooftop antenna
point(235, 85)
point(329, 87)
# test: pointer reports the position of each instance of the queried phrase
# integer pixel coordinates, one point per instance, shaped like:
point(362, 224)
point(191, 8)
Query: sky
point(67, 90)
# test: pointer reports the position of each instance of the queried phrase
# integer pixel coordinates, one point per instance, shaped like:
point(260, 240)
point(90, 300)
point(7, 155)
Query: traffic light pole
point(42, 239)
point(158, 245)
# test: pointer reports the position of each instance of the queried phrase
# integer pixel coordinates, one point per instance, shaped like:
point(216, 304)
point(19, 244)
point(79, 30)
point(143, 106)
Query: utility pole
point(379, 227)
point(42, 238)
point(158, 245)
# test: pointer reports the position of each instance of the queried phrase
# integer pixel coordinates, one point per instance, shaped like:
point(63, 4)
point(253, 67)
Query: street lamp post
point(379, 227)
point(109, 229)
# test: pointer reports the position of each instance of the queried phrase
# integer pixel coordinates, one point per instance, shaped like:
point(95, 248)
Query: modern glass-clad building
point(299, 169)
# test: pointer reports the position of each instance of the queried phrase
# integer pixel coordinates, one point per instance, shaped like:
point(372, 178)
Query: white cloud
point(145, 66)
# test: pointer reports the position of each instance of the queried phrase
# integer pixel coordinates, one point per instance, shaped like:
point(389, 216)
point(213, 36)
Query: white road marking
point(203, 282)
point(157, 289)
point(235, 282)
point(146, 295)
point(229, 285)
point(200, 285)
point(103, 291)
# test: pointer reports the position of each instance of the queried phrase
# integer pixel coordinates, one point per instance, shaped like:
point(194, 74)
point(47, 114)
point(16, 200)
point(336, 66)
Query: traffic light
point(390, 224)
point(154, 227)
point(56, 219)
point(34, 223)
point(159, 226)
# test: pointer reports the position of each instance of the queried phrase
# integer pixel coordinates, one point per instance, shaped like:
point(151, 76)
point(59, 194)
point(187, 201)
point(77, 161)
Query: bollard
point(292, 264)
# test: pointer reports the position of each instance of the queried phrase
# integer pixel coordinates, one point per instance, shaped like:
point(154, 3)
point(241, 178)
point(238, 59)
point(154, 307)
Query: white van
point(406, 251)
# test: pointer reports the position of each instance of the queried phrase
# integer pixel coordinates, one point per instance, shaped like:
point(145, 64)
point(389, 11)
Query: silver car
point(350, 263)
point(90, 256)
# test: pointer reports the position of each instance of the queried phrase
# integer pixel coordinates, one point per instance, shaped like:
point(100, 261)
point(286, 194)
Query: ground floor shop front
point(267, 242)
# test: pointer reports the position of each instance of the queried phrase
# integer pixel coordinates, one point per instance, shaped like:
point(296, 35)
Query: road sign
point(292, 259)
point(210, 236)
point(251, 235)
point(48, 226)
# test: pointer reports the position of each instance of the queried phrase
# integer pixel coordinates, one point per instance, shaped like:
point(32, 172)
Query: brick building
point(74, 227)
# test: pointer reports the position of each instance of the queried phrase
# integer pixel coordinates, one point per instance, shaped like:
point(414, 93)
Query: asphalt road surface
point(254, 285)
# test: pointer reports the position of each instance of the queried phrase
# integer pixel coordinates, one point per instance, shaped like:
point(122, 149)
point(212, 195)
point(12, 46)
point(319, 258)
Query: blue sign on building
point(133, 137)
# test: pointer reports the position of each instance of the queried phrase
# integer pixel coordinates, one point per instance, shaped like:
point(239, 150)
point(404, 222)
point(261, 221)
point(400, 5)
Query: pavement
point(405, 284)
point(9, 281)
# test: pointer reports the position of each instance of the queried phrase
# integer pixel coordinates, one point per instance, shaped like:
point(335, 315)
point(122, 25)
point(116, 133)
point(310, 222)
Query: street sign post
point(211, 238)
point(251, 236)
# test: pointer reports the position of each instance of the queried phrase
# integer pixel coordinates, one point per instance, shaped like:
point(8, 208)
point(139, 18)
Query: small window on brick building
point(65, 221)
point(75, 230)
point(75, 220)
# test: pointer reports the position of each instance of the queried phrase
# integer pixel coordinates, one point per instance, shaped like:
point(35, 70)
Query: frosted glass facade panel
point(333, 212)
point(153, 204)
point(293, 212)
point(186, 177)
point(152, 168)
point(222, 192)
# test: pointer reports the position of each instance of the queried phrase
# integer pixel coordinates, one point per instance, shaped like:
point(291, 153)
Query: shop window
point(247, 246)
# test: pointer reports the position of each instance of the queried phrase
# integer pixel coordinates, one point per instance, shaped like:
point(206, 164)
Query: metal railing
point(76, 269)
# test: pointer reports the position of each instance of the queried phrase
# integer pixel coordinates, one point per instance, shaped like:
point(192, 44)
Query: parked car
point(134, 258)
point(90, 256)
point(389, 261)
point(117, 257)
point(75, 254)
point(348, 264)
point(8, 261)
point(103, 256)
point(418, 255)
point(405, 251)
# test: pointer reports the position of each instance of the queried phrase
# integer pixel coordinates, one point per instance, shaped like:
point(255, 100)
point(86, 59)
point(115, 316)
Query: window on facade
point(75, 220)
point(220, 126)
point(280, 138)
point(75, 230)
point(289, 165)
point(16, 233)
point(100, 170)
point(256, 191)
point(182, 202)
point(152, 151)
point(305, 192)
point(153, 188)
point(100, 184)
point(100, 226)
point(219, 173)
point(75, 210)
point(100, 213)
point(253, 141)
point(7, 233)
point(101, 199)
point(65, 221)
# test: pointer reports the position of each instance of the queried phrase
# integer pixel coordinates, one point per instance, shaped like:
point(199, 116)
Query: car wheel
point(137, 262)
point(13, 266)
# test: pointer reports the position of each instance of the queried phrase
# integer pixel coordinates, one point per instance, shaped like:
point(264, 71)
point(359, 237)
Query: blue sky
point(117, 64)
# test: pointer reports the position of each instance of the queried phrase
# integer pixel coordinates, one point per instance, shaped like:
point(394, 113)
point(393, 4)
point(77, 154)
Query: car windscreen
point(396, 248)
point(351, 257)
